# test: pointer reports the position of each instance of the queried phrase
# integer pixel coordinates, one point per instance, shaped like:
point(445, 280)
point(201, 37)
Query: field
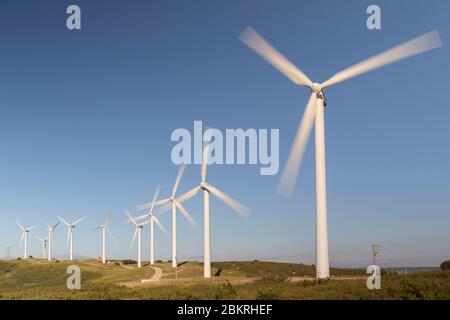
point(37, 279)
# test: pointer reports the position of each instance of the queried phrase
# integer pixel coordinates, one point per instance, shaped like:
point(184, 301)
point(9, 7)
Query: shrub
point(129, 261)
point(272, 278)
point(445, 265)
point(267, 295)
point(225, 291)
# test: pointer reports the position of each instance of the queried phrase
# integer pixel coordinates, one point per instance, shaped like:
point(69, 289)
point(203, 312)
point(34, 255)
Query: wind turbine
point(207, 189)
point(314, 115)
point(70, 228)
point(105, 228)
point(24, 238)
point(44, 245)
point(50, 231)
point(137, 232)
point(153, 219)
point(174, 203)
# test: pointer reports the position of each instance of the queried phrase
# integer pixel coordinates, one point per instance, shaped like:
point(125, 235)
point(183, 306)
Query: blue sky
point(86, 119)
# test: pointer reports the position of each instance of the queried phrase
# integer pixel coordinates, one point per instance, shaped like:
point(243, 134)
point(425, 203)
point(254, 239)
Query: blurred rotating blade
point(233, 204)
point(205, 157)
point(191, 193)
point(290, 172)
point(257, 43)
point(424, 43)
point(178, 179)
point(159, 224)
point(134, 237)
point(185, 213)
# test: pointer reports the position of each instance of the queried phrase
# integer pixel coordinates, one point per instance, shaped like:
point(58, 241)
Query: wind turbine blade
point(143, 206)
point(149, 205)
point(40, 239)
point(69, 231)
point(64, 221)
point(178, 179)
point(155, 196)
point(204, 162)
point(20, 226)
point(108, 218)
point(144, 223)
point(159, 224)
point(57, 223)
point(188, 195)
point(233, 204)
point(110, 234)
point(290, 171)
point(139, 217)
point(165, 208)
point(78, 221)
point(31, 228)
point(185, 213)
point(22, 237)
point(131, 218)
point(134, 236)
point(161, 202)
point(257, 43)
point(421, 44)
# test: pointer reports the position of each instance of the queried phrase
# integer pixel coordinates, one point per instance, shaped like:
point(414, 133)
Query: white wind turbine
point(44, 246)
point(50, 231)
point(207, 189)
point(70, 228)
point(105, 228)
point(24, 238)
point(174, 203)
point(137, 232)
point(314, 115)
point(153, 219)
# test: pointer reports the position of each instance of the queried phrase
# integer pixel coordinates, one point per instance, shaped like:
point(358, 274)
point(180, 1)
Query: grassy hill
point(37, 279)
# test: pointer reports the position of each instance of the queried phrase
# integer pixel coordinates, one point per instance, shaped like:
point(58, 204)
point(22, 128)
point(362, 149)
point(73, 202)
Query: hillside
point(37, 279)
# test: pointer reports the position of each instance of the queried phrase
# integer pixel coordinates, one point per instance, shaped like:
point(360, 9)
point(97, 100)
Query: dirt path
point(156, 276)
point(301, 279)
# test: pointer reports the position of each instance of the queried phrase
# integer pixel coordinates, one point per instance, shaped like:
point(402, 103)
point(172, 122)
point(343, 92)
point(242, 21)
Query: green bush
point(267, 294)
point(273, 278)
point(225, 291)
point(129, 261)
point(445, 265)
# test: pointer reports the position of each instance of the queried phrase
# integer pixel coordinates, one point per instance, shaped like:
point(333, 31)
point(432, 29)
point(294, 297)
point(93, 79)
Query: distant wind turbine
point(24, 238)
point(207, 189)
point(70, 228)
point(137, 232)
point(50, 231)
point(44, 246)
point(174, 203)
point(105, 228)
point(153, 219)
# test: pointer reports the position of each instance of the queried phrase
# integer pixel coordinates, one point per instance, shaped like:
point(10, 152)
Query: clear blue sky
point(86, 118)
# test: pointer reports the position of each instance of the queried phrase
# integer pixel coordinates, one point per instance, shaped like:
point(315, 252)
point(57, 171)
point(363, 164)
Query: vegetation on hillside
point(237, 280)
